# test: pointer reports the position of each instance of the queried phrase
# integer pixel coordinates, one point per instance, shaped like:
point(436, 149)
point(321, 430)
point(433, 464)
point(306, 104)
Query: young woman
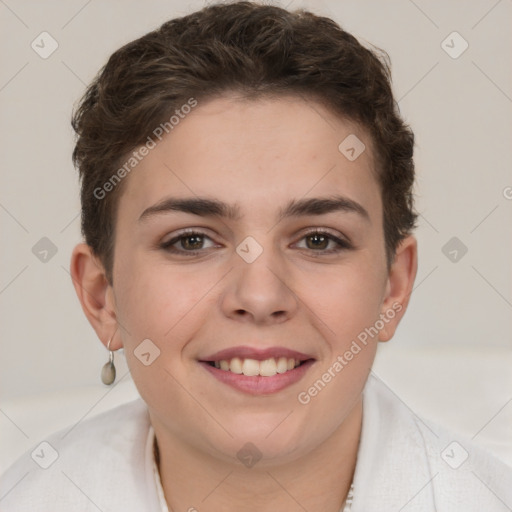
point(247, 217)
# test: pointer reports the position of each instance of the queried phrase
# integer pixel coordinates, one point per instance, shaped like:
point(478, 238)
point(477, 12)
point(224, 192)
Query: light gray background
point(451, 358)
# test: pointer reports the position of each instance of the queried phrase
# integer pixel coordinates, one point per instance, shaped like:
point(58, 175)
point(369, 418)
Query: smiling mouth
point(252, 367)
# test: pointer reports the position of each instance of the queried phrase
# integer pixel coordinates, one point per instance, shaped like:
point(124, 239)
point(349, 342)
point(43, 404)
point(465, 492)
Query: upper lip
point(246, 352)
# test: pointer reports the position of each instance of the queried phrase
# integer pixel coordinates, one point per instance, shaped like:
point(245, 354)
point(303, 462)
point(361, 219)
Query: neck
point(316, 482)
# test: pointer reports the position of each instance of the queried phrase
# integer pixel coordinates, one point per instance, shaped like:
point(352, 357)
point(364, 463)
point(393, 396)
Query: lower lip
point(259, 385)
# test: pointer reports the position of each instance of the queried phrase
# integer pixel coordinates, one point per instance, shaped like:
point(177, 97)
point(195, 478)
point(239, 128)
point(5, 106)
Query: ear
point(95, 294)
point(399, 286)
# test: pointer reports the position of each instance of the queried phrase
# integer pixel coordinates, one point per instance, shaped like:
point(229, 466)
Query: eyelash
point(343, 245)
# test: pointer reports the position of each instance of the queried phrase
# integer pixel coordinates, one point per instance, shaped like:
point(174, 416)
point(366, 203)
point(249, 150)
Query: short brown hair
point(257, 51)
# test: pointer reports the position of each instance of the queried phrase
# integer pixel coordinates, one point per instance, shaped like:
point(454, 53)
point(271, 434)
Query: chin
point(260, 453)
point(270, 445)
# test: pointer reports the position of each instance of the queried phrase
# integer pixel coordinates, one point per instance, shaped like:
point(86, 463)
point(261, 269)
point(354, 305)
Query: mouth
point(252, 367)
point(258, 371)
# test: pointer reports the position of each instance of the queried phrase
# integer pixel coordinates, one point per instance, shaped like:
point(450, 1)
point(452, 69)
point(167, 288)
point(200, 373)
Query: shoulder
point(412, 461)
point(464, 475)
point(78, 467)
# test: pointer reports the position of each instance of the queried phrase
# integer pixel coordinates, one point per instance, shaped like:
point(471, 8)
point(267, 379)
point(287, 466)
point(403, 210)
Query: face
point(248, 242)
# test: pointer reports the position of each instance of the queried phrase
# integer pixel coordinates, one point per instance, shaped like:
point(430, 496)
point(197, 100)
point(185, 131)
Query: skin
point(260, 154)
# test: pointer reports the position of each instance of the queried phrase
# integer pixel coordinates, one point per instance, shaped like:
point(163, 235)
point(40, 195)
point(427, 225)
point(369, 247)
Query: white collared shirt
point(403, 463)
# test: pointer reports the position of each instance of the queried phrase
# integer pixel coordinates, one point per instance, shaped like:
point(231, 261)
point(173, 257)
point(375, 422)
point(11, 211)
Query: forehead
point(256, 154)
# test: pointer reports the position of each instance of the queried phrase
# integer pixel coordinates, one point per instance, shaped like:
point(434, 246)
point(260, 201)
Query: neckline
point(345, 507)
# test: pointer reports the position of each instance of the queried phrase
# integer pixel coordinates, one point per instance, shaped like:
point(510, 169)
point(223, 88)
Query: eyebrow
point(206, 207)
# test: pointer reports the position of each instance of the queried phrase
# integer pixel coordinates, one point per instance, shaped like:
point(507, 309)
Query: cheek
point(346, 300)
point(168, 305)
point(160, 310)
point(154, 300)
point(346, 307)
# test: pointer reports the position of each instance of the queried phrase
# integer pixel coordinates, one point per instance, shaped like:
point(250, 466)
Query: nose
point(259, 292)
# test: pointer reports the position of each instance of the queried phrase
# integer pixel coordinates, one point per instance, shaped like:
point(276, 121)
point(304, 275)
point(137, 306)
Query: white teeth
point(236, 365)
point(252, 367)
point(282, 365)
point(268, 368)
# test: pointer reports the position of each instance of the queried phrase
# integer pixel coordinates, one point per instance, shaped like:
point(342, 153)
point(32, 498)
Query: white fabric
point(106, 463)
point(151, 462)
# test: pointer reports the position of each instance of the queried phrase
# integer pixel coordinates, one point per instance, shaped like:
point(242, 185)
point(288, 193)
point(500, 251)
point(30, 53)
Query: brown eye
point(317, 241)
point(191, 242)
point(188, 243)
point(323, 242)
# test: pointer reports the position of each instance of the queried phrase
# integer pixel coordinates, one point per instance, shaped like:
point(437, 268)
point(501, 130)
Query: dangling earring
point(108, 372)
